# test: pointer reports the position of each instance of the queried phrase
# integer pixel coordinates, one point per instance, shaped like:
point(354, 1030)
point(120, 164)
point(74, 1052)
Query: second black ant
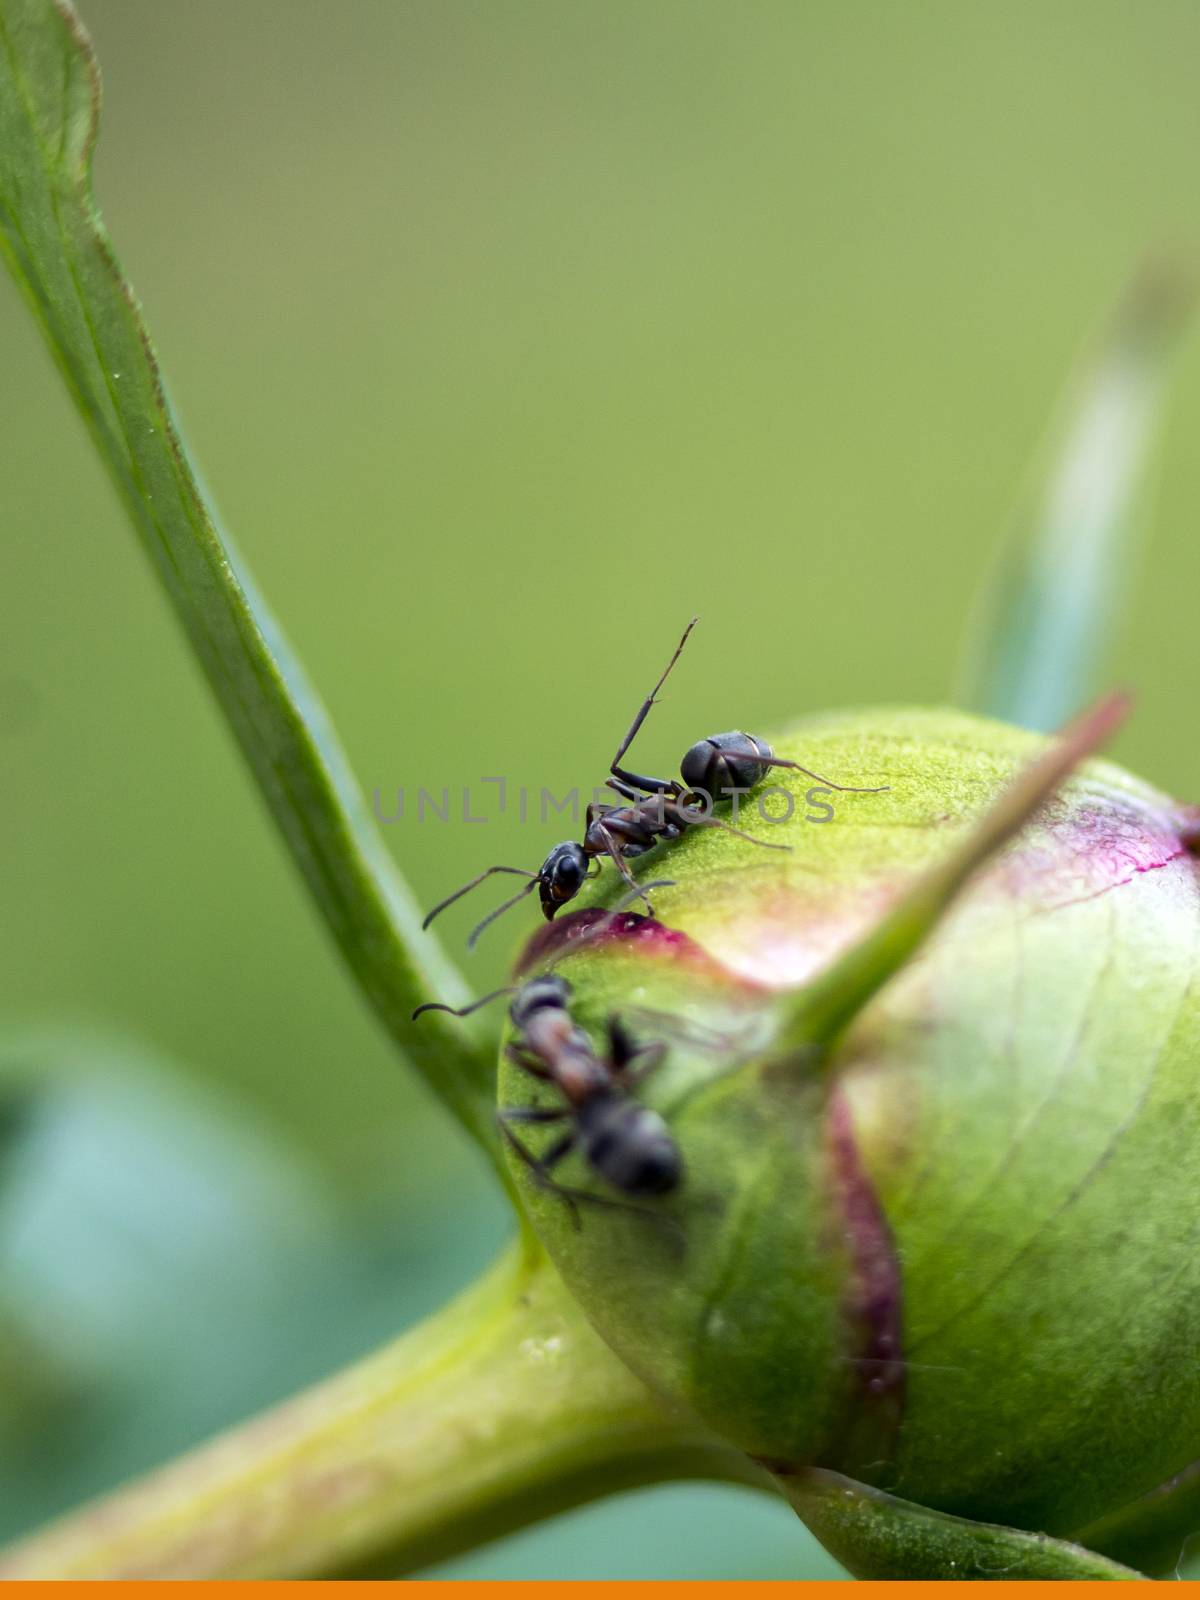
point(657, 811)
point(626, 1144)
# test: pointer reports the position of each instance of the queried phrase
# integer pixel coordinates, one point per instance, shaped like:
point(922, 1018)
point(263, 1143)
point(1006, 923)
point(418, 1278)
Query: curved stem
point(54, 244)
point(504, 1408)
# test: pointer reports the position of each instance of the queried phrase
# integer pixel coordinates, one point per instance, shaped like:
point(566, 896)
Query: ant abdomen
point(629, 1146)
point(726, 761)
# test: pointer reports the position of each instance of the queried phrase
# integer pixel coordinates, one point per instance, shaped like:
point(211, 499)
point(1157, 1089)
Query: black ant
point(658, 811)
point(626, 1144)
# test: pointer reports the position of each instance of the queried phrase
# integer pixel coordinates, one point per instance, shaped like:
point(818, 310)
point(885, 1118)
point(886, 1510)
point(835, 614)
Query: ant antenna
point(507, 905)
point(474, 883)
point(464, 1011)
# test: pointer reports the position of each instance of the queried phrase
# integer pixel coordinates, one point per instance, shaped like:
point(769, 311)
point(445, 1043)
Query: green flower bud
point(953, 1252)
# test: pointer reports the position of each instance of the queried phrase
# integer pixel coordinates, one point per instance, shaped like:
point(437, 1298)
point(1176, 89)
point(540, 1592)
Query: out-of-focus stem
point(52, 241)
point(500, 1410)
point(1054, 600)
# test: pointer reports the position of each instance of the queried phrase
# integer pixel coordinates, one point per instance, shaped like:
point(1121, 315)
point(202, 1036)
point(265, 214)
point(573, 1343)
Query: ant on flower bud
point(657, 811)
point(627, 1145)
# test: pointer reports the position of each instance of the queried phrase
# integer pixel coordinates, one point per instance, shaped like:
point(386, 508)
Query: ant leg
point(639, 891)
point(539, 1167)
point(571, 1198)
point(625, 1052)
point(696, 820)
point(651, 785)
point(827, 783)
point(624, 790)
point(527, 1063)
point(614, 850)
point(542, 1164)
point(652, 1057)
point(467, 887)
point(665, 793)
point(535, 1114)
point(638, 786)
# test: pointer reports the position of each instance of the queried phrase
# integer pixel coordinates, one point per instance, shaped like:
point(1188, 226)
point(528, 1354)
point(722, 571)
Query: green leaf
point(827, 1005)
point(60, 256)
point(1043, 625)
point(876, 1536)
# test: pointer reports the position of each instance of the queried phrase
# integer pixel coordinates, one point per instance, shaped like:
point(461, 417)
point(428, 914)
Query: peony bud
point(953, 1253)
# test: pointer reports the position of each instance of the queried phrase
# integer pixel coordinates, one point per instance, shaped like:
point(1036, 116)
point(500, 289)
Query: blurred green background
point(508, 335)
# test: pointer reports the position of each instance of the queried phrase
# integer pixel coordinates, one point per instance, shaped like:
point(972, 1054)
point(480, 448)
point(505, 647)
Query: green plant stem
point(52, 240)
point(500, 1410)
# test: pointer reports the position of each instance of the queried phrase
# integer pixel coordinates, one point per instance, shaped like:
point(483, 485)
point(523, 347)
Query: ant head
point(562, 875)
point(546, 992)
point(725, 761)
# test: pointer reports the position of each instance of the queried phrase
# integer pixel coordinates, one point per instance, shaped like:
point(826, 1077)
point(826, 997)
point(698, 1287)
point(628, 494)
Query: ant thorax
point(580, 1076)
point(567, 1051)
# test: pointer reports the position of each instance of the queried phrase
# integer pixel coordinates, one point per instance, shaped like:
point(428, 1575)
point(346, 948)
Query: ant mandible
point(627, 1145)
point(657, 811)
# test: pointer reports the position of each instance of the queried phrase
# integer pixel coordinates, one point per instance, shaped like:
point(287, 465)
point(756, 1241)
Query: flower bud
point(952, 1249)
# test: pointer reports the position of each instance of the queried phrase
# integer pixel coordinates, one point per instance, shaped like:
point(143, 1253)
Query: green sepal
point(874, 1535)
point(824, 1008)
point(1155, 1532)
